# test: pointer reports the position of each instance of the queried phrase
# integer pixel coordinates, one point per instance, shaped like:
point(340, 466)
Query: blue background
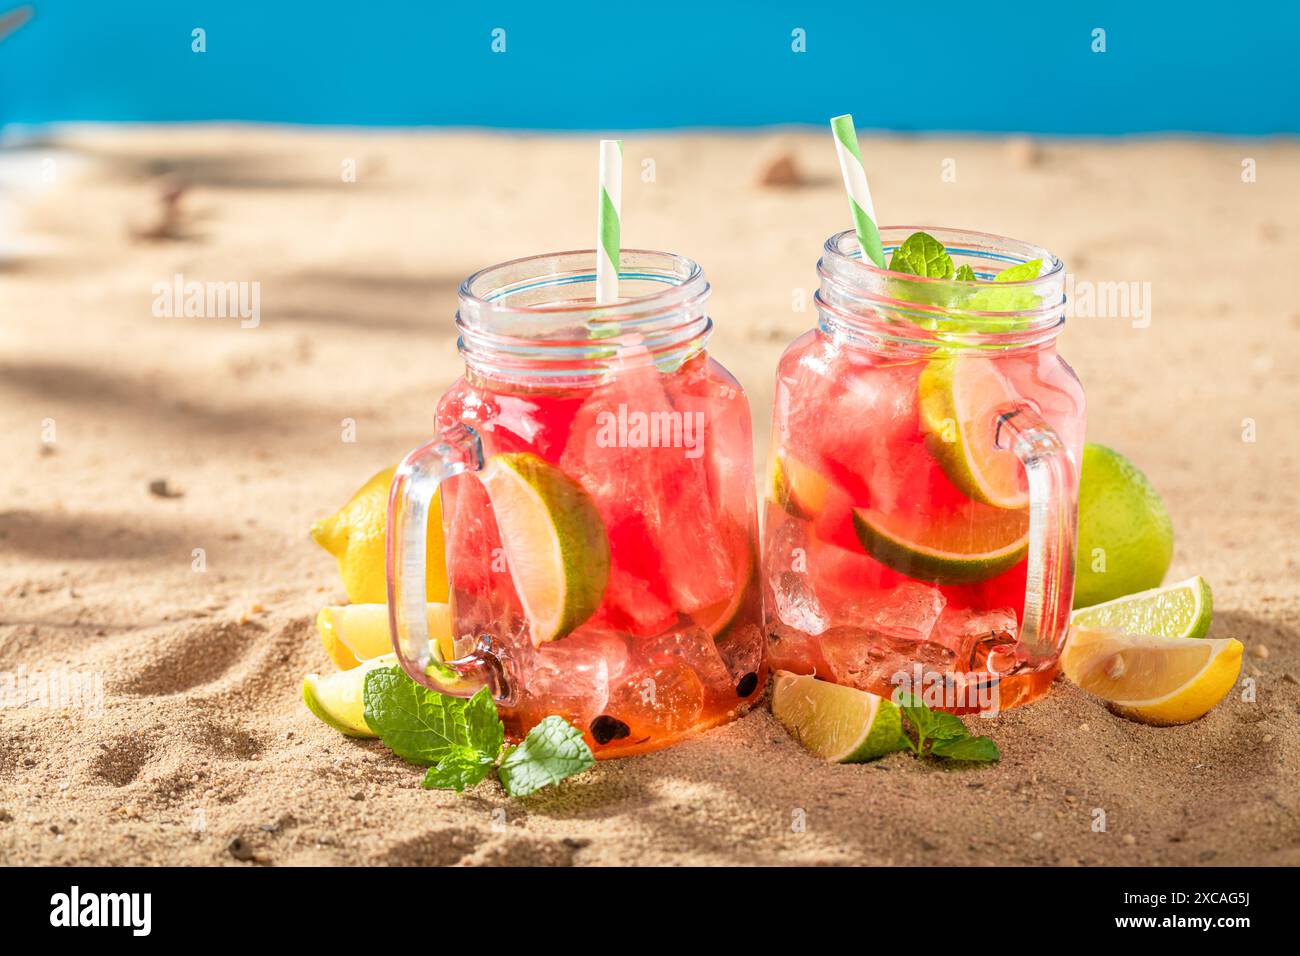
point(1223, 68)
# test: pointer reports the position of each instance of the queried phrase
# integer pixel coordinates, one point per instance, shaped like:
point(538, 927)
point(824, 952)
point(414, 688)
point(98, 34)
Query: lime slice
point(358, 632)
point(338, 699)
point(959, 399)
point(1154, 680)
point(1178, 610)
point(798, 489)
point(554, 541)
point(957, 548)
point(842, 724)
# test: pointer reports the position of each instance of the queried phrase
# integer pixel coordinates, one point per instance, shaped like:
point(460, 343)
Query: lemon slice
point(355, 535)
point(959, 399)
point(1178, 610)
point(554, 541)
point(798, 489)
point(339, 699)
point(353, 633)
point(1154, 680)
point(841, 724)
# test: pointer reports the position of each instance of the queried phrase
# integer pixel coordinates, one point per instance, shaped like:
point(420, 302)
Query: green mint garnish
point(965, 274)
point(967, 748)
point(922, 255)
point(422, 726)
point(941, 734)
point(1020, 272)
point(553, 750)
point(460, 739)
point(463, 767)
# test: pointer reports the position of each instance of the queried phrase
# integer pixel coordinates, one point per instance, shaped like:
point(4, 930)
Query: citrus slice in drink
point(339, 699)
point(961, 546)
point(353, 633)
point(797, 488)
point(1154, 680)
point(959, 400)
point(554, 542)
point(841, 724)
point(717, 617)
point(1178, 610)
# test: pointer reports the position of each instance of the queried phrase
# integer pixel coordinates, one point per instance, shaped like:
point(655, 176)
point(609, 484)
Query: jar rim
point(862, 300)
point(844, 247)
point(489, 290)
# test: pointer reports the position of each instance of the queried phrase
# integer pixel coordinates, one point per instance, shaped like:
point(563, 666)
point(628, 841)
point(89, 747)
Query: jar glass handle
point(455, 451)
point(1053, 519)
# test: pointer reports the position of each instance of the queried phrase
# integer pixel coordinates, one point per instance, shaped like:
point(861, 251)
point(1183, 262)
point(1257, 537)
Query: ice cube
point(876, 660)
point(696, 648)
point(657, 700)
point(790, 649)
point(742, 650)
point(962, 630)
point(789, 582)
point(569, 677)
point(910, 611)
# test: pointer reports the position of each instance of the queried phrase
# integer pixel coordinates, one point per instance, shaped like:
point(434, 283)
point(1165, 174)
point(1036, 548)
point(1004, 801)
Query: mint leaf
point(967, 748)
point(461, 768)
point(965, 273)
point(1020, 272)
point(553, 750)
point(930, 724)
point(922, 255)
point(422, 726)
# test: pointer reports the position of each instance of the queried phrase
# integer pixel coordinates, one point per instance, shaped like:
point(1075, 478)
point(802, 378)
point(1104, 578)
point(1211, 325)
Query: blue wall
point(1231, 68)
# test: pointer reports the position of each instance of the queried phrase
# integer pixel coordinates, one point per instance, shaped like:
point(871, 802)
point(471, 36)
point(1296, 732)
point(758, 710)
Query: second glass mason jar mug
point(919, 529)
point(594, 468)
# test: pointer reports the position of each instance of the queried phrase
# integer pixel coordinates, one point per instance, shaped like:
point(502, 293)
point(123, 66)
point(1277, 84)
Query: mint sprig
point(922, 255)
point(941, 734)
point(553, 750)
point(461, 740)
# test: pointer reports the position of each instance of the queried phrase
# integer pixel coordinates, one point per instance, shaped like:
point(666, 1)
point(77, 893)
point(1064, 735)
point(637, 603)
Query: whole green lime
point(1126, 540)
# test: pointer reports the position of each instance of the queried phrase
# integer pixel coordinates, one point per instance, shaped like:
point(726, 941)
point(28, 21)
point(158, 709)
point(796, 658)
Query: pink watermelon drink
point(602, 560)
point(897, 542)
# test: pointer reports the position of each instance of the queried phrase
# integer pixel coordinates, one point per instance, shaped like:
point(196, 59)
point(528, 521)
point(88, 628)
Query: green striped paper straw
point(855, 181)
point(608, 230)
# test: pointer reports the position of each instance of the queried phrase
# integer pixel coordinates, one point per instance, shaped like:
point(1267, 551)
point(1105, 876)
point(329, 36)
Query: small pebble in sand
point(1129, 839)
point(239, 849)
point(1268, 738)
point(779, 169)
point(1260, 651)
point(159, 488)
point(1022, 152)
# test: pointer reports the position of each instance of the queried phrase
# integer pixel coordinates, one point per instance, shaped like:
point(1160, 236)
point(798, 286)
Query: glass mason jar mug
point(595, 472)
point(919, 529)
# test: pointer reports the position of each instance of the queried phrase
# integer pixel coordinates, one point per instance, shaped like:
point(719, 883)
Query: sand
point(201, 752)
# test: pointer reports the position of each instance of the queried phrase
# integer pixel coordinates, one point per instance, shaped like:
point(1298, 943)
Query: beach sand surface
point(202, 752)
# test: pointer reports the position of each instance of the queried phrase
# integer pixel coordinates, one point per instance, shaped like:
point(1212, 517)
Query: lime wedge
point(338, 699)
point(959, 399)
point(1178, 610)
point(841, 724)
point(957, 548)
point(554, 541)
point(798, 489)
